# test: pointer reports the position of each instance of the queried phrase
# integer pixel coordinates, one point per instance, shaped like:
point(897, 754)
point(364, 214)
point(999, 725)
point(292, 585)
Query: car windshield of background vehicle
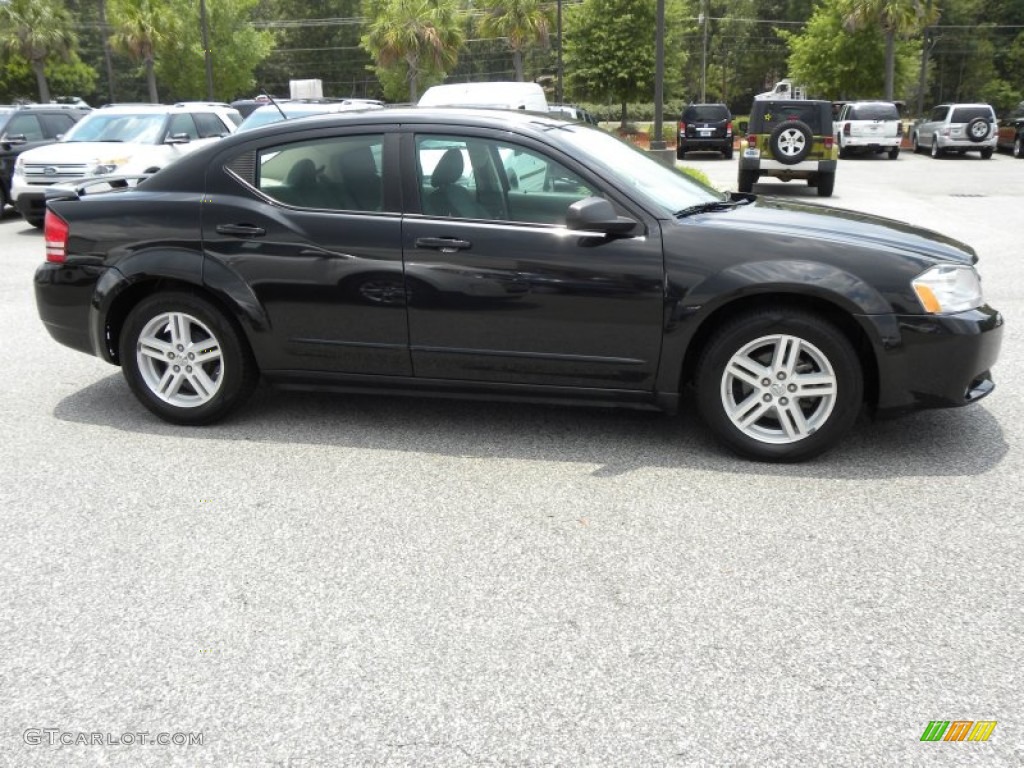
point(874, 112)
point(666, 187)
point(966, 114)
point(137, 128)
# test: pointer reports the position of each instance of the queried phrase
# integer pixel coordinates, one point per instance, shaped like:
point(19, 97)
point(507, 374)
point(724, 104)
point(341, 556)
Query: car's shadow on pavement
point(957, 442)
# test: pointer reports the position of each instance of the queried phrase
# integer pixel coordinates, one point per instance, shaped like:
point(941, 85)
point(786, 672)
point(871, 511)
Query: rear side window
point(209, 125)
point(56, 125)
point(182, 123)
point(337, 174)
point(874, 112)
point(706, 113)
point(966, 114)
point(939, 114)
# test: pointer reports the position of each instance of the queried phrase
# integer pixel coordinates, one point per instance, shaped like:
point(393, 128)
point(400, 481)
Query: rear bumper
point(64, 296)
point(931, 361)
point(947, 142)
point(872, 142)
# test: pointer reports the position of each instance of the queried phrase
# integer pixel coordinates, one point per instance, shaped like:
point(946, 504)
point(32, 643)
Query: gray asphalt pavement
point(355, 580)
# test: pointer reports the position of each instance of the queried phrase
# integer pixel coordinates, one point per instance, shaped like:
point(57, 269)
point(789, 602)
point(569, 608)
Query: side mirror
point(178, 138)
point(744, 125)
point(15, 139)
point(597, 214)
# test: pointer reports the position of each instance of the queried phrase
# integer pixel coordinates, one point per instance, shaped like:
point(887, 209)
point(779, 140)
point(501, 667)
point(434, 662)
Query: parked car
point(868, 126)
point(27, 126)
point(705, 127)
point(290, 110)
point(122, 140)
point(789, 140)
point(959, 128)
point(386, 251)
point(1011, 132)
point(494, 95)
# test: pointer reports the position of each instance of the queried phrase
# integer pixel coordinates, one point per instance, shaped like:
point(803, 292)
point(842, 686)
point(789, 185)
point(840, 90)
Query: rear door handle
point(443, 244)
point(241, 230)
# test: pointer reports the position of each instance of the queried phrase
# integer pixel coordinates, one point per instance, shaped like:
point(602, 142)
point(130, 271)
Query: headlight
point(106, 166)
point(945, 289)
point(19, 166)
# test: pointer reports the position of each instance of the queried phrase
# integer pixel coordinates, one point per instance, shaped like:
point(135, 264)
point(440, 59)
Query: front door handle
point(443, 244)
point(241, 230)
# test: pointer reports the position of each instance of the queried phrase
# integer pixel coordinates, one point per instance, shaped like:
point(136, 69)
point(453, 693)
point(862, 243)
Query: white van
point(500, 95)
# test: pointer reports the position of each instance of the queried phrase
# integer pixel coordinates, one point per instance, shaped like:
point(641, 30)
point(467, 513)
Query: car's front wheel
point(185, 360)
point(779, 385)
point(1018, 147)
point(936, 150)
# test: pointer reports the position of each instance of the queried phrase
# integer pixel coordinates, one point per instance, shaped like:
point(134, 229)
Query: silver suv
point(957, 128)
point(119, 140)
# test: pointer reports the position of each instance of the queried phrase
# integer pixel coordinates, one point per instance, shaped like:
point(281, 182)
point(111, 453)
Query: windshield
point(670, 190)
point(966, 114)
point(139, 128)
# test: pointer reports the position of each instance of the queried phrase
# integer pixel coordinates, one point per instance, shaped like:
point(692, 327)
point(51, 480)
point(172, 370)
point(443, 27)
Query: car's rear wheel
point(727, 152)
point(747, 180)
point(680, 152)
point(779, 385)
point(826, 182)
point(986, 153)
point(843, 151)
point(894, 153)
point(791, 142)
point(936, 150)
point(185, 360)
point(1018, 147)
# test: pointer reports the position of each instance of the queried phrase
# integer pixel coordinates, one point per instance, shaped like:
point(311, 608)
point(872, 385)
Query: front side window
point(25, 125)
point(474, 178)
point(342, 173)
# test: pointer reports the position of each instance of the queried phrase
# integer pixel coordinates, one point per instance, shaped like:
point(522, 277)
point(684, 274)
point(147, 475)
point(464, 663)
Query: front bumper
point(936, 361)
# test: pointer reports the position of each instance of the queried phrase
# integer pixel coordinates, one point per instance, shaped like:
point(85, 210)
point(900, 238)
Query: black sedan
point(508, 255)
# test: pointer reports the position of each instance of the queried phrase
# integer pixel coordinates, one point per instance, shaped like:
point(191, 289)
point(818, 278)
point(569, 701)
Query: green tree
point(522, 23)
point(416, 36)
point(39, 31)
point(609, 51)
point(236, 48)
point(835, 63)
point(896, 19)
point(141, 28)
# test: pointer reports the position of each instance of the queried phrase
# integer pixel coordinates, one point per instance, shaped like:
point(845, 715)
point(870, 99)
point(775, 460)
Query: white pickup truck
point(868, 126)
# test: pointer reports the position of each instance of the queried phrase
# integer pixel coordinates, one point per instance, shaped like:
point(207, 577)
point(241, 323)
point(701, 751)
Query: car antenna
point(271, 99)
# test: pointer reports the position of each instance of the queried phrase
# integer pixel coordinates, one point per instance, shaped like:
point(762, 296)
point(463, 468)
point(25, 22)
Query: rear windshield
point(706, 112)
point(966, 114)
point(809, 113)
point(874, 112)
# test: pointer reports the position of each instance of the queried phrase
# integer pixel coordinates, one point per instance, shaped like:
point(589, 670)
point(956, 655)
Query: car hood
point(82, 151)
point(783, 218)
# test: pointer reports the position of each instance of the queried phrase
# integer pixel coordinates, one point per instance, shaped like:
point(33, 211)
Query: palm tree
point(521, 22)
point(424, 35)
point(896, 18)
point(140, 28)
point(36, 30)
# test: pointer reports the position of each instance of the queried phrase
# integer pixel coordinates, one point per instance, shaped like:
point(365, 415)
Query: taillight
point(55, 233)
point(752, 141)
point(829, 141)
point(728, 128)
point(846, 130)
point(682, 128)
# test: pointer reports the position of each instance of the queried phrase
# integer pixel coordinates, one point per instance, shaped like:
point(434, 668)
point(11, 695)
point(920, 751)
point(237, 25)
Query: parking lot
point(357, 580)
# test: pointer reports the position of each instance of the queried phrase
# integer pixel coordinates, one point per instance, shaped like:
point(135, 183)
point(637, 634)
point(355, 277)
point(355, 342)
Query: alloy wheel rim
point(792, 142)
point(779, 389)
point(180, 360)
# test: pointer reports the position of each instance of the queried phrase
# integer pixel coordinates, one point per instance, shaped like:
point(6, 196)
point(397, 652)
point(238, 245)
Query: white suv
point(122, 140)
point(957, 128)
point(869, 126)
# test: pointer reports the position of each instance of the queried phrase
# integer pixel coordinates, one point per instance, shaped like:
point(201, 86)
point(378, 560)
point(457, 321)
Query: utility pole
point(558, 82)
point(207, 53)
point(703, 19)
point(106, 50)
point(659, 74)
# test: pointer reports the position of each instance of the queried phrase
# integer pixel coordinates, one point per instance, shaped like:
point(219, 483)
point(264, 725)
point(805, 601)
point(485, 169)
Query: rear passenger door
point(312, 228)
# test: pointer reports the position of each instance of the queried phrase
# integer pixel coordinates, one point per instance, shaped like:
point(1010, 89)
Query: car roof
point(184, 106)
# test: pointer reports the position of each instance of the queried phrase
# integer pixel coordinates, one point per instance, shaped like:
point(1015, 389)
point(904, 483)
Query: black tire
point(209, 390)
point(727, 153)
point(826, 182)
point(746, 181)
point(36, 221)
point(894, 153)
point(774, 425)
point(937, 152)
point(1018, 146)
point(843, 151)
point(986, 153)
point(916, 145)
point(791, 142)
point(978, 129)
point(680, 152)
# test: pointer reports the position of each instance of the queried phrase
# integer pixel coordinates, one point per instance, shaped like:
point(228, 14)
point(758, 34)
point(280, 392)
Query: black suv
point(788, 140)
point(26, 126)
point(705, 127)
